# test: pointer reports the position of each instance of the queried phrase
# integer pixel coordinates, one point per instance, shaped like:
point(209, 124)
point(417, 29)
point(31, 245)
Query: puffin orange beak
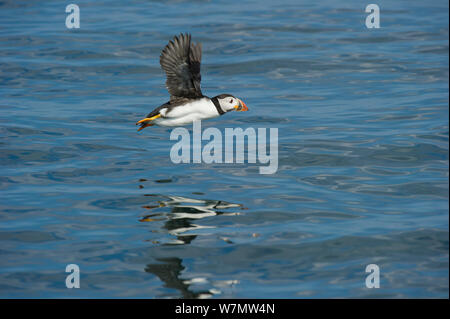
point(241, 107)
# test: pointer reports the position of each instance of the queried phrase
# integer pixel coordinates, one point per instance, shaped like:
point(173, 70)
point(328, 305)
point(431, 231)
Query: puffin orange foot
point(146, 121)
point(145, 125)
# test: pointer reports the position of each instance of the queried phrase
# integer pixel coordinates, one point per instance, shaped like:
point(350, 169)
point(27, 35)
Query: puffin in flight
point(181, 59)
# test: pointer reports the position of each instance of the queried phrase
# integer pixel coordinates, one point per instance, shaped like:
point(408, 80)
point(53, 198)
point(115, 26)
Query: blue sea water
point(362, 118)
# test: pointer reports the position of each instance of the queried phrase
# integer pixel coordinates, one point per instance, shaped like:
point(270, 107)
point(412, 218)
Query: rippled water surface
point(362, 117)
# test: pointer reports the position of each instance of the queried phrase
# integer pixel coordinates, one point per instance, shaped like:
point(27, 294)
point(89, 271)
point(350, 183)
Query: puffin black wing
point(181, 60)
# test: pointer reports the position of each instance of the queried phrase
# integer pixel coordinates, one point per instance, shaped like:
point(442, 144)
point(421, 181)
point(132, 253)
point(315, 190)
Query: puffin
point(180, 60)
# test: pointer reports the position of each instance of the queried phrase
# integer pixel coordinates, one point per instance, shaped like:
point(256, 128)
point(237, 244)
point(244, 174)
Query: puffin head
point(230, 103)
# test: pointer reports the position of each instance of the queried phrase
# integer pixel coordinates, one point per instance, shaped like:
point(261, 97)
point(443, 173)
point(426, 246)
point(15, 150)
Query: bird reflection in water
point(179, 214)
point(180, 217)
point(169, 271)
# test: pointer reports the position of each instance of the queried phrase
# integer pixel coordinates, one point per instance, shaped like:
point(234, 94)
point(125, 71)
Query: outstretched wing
point(181, 60)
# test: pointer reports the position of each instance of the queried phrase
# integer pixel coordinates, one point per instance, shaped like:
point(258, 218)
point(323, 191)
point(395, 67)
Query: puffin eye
point(231, 101)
